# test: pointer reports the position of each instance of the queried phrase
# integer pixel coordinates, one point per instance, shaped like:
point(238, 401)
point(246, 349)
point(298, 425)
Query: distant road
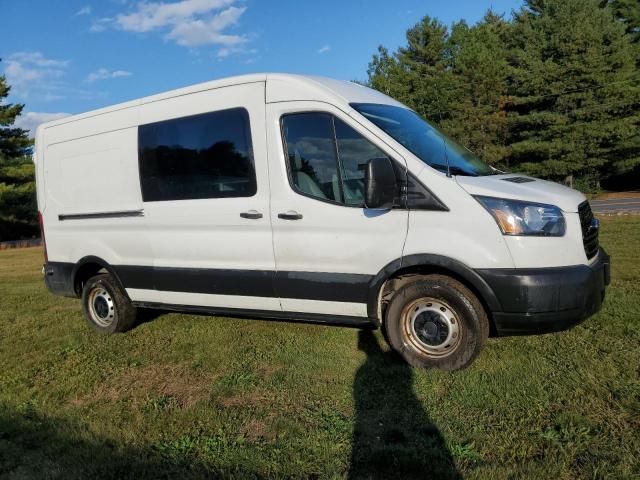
point(32, 242)
point(615, 205)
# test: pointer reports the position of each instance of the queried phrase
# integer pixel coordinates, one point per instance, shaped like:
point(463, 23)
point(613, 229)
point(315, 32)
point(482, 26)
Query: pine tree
point(14, 142)
point(627, 11)
point(418, 74)
point(478, 116)
point(17, 176)
point(454, 79)
point(575, 91)
point(385, 73)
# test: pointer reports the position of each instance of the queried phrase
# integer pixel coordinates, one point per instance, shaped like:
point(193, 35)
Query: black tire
point(436, 322)
point(105, 306)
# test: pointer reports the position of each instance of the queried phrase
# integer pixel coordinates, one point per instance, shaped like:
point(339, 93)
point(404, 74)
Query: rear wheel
point(105, 305)
point(436, 322)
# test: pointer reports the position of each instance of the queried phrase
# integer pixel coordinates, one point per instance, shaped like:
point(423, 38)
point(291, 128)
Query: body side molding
point(94, 215)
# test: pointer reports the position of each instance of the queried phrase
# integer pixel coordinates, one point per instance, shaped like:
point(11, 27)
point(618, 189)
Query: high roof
point(280, 87)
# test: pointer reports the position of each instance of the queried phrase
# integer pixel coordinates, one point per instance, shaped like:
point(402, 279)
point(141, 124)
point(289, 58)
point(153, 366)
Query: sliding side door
point(205, 191)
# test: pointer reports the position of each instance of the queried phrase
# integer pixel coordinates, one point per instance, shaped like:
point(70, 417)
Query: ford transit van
point(311, 199)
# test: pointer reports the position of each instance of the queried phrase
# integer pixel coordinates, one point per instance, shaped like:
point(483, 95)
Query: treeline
point(553, 91)
point(18, 211)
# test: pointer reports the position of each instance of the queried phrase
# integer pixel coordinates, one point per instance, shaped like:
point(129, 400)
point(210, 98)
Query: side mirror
point(380, 184)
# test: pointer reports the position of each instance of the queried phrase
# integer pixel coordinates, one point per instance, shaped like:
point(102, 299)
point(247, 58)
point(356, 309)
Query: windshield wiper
point(495, 171)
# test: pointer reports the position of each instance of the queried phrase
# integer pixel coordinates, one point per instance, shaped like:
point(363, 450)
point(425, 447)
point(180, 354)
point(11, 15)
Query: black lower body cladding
point(58, 277)
point(542, 300)
point(337, 287)
point(520, 301)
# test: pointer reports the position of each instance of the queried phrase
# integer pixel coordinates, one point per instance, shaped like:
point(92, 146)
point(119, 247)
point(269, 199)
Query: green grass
point(188, 397)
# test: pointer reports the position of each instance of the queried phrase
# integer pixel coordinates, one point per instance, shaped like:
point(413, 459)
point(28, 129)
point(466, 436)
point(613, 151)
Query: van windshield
point(426, 142)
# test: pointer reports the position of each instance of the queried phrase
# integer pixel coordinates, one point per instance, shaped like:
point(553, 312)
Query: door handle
point(251, 215)
point(290, 215)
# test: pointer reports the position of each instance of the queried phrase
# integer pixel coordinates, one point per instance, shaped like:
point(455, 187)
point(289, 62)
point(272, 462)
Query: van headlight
point(516, 217)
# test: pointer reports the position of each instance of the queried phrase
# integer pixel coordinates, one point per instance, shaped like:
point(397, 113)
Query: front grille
point(590, 229)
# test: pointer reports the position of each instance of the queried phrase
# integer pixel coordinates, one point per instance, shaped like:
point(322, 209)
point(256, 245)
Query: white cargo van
point(312, 199)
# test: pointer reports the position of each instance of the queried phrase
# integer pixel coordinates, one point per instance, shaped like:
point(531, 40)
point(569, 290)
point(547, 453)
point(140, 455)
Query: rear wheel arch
point(89, 266)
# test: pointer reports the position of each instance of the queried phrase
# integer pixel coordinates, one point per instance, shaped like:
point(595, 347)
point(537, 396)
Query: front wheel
point(436, 322)
point(105, 305)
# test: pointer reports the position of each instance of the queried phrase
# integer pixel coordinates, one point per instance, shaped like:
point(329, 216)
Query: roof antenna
point(444, 143)
point(446, 157)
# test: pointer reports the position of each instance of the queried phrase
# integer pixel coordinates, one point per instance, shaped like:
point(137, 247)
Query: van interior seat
point(302, 180)
point(351, 196)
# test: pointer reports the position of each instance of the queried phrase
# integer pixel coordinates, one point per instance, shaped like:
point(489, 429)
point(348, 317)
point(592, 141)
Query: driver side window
point(327, 158)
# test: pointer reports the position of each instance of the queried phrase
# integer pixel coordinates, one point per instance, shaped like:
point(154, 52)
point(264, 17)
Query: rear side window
point(327, 158)
point(201, 156)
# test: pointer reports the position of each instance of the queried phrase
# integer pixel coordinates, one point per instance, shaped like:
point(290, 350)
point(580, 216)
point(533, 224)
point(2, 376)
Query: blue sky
point(76, 55)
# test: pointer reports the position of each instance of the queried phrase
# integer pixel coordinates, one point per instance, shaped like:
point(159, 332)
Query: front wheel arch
point(428, 264)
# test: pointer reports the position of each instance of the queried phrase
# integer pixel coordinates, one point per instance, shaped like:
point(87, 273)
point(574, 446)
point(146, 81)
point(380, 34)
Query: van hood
point(520, 187)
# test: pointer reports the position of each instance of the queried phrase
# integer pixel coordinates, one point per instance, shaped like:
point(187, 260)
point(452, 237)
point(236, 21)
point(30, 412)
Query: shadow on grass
point(147, 315)
point(393, 436)
point(36, 446)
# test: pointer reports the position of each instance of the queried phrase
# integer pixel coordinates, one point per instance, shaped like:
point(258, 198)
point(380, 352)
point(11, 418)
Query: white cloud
point(100, 25)
point(31, 120)
point(120, 73)
point(153, 15)
point(104, 74)
point(324, 49)
point(225, 52)
point(31, 73)
point(32, 76)
point(37, 59)
point(189, 23)
point(86, 10)
point(195, 32)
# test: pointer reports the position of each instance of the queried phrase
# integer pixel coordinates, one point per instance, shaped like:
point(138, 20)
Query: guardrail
point(31, 242)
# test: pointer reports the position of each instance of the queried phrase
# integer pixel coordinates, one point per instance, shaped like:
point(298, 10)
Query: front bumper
point(542, 300)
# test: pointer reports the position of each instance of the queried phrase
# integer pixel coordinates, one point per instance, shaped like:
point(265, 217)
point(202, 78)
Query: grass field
point(189, 397)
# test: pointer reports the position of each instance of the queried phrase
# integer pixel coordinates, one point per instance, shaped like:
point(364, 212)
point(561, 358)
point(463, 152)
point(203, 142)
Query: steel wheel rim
point(432, 327)
point(101, 307)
